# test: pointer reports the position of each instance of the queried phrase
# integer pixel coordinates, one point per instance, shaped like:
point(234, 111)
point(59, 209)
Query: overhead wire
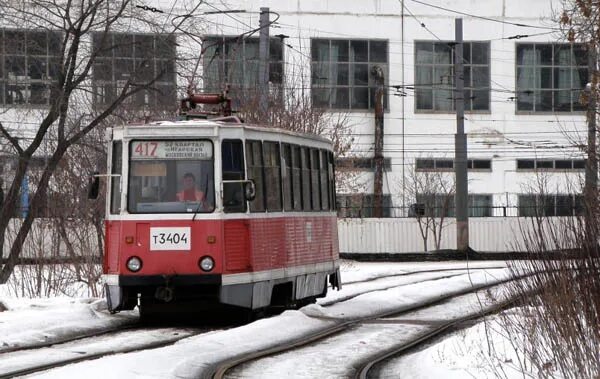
point(483, 17)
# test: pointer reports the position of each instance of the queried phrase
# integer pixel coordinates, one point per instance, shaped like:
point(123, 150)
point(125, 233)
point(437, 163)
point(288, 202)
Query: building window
point(438, 205)
point(235, 61)
point(341, 72)
point(361, 205)
point(550, 77)
point(138, 58)
point(434, 76)
point(438, 164)
point(550, 205)
point(29, 66)
point(361, 164)
point(550, 164)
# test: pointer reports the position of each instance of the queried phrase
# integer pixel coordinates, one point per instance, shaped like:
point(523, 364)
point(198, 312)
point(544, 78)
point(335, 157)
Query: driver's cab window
point(173, 176)
point(232, 154)
point(115, 177)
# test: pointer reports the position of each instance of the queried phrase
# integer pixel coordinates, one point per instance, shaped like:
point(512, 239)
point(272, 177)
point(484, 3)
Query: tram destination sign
point(171, 150)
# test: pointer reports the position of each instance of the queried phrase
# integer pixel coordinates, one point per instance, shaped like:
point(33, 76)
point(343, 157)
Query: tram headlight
point(134, 264)
point(206, 263)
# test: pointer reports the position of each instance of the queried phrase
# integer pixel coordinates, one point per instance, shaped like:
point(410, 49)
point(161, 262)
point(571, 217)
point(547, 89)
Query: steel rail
point(219, 370)
point(326, 304)
point(58, 341)
point(50, 365)
point(367, 365)
point(410, 273)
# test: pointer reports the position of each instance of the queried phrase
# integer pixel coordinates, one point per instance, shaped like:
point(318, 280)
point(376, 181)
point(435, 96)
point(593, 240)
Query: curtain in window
point(443, 80)
point(562, 97)
point(527, 79)
point(334, 58)
point(563, 56)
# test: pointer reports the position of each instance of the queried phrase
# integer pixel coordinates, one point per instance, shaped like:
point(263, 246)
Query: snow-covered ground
point(34, 320)
point(480, 351)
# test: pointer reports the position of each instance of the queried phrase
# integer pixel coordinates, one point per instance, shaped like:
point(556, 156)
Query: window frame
point(243, 172)
point(361, 164)
point(350, 63)
point(129, 174)
point(250, 176)
point(102, 88)
point(360, 205)
point(451, 88)
point(541, 202)
point(51, 60)
point(552, 89)
point(115, 202)
point(554, 161)
point(436, 161)
point(450, 210)
point(273, 149)
point(305, 174)
point(225, 62)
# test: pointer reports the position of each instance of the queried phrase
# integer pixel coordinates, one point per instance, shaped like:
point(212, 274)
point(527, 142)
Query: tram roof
point(203, 128)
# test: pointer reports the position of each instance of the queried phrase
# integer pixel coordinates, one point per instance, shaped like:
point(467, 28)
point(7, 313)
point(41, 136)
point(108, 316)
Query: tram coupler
point(164, 293)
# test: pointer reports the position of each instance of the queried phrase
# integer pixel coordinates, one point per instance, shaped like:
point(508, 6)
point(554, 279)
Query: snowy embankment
point(481, 351)
point(197, 356)
point(44, 321)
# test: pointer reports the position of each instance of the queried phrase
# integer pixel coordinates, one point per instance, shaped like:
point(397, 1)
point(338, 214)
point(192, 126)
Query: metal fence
point(404, 235)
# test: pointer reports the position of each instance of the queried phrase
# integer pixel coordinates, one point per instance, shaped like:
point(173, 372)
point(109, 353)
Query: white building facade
point(523, 113)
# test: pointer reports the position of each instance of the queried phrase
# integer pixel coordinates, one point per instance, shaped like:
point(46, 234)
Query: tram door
point(236, 231)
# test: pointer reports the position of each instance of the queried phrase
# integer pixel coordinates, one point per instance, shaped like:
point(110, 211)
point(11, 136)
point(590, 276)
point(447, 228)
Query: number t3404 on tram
point(214, 212)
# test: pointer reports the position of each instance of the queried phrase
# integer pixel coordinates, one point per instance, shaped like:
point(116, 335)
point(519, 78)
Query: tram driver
point(189, 191)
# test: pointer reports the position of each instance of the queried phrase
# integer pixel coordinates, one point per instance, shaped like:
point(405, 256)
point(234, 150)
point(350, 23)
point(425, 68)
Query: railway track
point(417, 272)
point(86, 348)
point(385, 282)
point(341, 327)
point(134, 324)
point(436, 329)
point(76, 349)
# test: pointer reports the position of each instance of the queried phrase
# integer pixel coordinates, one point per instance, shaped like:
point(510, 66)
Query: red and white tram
point(208, 211)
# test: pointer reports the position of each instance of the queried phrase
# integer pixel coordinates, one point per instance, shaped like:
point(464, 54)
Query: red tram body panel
point(247, 235)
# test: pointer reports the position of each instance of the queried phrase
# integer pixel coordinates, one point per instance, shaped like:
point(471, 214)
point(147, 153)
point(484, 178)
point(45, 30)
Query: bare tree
point(561, 324)
point(291, 107)
point(78, 35)
point(431, 194)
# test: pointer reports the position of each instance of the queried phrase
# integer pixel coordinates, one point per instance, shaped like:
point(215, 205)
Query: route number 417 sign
point(171, 150)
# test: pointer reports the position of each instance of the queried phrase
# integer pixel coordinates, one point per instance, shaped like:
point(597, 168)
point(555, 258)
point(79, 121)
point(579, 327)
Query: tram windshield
point(171, 176)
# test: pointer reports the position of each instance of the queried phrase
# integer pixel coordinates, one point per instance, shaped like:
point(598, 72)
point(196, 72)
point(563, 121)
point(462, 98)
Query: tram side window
point(297, 178)
point(331, 175)
point(115, 179)
point(272, 164)
point(324, 181)
point(255, 172)
point(305, 178)
point(314, 179)
point(288, 180)
point(232, 154)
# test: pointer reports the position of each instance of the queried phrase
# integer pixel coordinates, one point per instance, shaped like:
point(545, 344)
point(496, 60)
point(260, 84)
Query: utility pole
point(460, 145)
point(263, 67)
point(591, 165)
point(377, 73)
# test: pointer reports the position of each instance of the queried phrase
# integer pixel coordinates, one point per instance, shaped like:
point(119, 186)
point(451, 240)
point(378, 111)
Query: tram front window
point(171, 177)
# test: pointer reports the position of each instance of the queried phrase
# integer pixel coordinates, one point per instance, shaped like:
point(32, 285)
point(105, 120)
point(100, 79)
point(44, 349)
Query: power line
point(485, 18)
